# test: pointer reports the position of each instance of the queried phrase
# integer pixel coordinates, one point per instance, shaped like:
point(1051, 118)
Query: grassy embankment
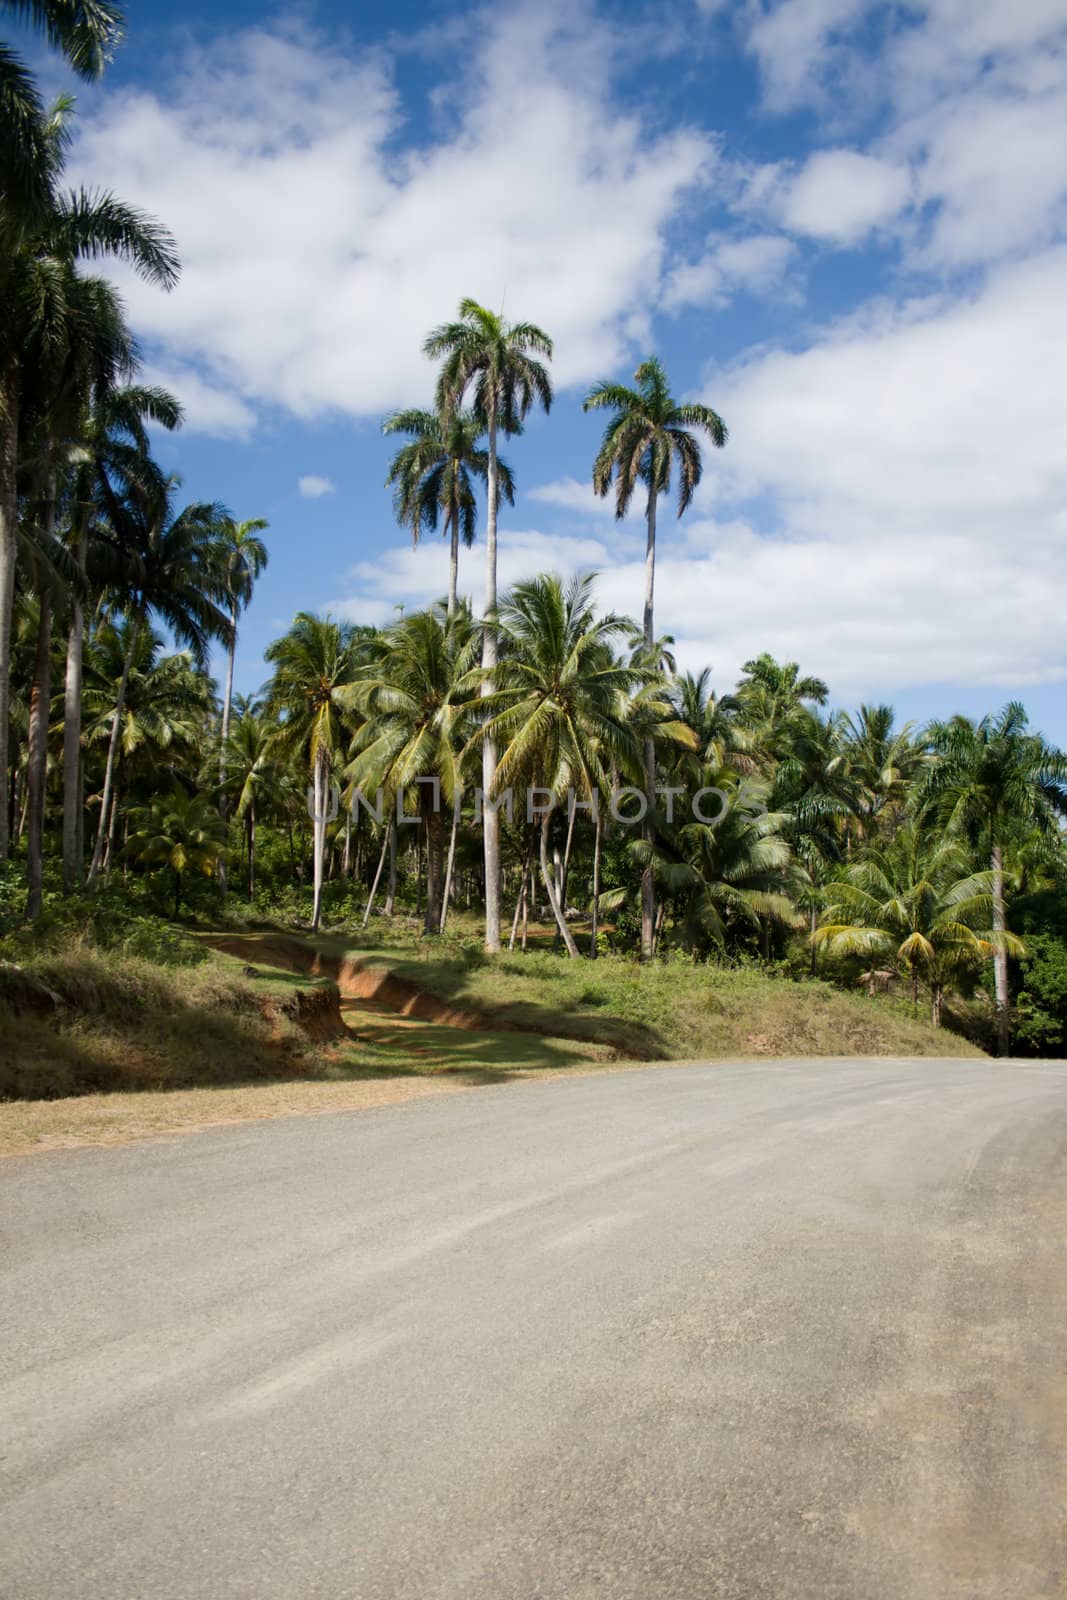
point(281, 1024)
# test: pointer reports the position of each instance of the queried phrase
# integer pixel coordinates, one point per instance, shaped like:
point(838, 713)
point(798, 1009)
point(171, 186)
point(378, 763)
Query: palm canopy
point(312, 663)
point(86, 32)
point(165, 701)
point(560, 709)
point(915, 902)
point(433, 475)
point(649, 436)
point(494, 361)
point(172, 565)
point(414, 700)
point(995, 776)
point(244, 556)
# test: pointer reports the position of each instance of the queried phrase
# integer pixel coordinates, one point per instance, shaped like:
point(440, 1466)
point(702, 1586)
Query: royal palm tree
point(172, 569)
point(648, 437)
point(245, 556)
point(495, 363)
point(37, 280)
point(994, 779)
point(313, 664)
point(414, 700)
point(432, 478)
point(112, 450)
point(914, 902)
point(86, 32)
point(559, 709)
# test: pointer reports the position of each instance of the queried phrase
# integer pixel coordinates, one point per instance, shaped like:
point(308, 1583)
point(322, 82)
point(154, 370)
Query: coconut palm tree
point(496, 363)
point(313, 664)
point(649, 436)
point(245, 556)
point(251, 775)
point(559, 709)
point(181, 831)
point(993, 780)
point(913, 902)
point(172, 569)
point(38, 260)
point(414, 700)
point(432, 478)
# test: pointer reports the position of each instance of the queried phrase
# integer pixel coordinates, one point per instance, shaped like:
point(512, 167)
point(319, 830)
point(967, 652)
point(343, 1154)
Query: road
point(783, 1331)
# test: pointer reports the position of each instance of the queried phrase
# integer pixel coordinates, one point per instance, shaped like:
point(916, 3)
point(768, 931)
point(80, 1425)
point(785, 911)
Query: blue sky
point(840, 222)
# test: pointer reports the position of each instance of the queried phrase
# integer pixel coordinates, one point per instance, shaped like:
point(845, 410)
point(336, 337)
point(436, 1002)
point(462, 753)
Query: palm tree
point(313, 664)
point(994, 779)
point(86, 32)
point(884, 762)
point(774, 701)
point(649, 436)
point(914, 902)
point(560, 705)
point(172, 569)
point(415, 699)
point(251, 773)
point(245, 557)
point(432, 478)
point(113, 451)
point(37, 278)
point(180, 831)
point(497, 362)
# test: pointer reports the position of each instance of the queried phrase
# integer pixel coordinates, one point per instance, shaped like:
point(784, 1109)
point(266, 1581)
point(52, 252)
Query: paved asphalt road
point(787, 1330)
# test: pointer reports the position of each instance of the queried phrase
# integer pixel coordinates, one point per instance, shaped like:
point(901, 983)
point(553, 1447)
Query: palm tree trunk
point(73, 795)
point(520, 901)
point(318, 845)
point(453, 560)
point(390, 897)
point(227, 701)
point(938, 997)
point(553, 899)
point(596, 887)
point(446, 897)
point(1000, 955)
point(251, 827)
point(648, 887)
point(388, 846)
point(432, 825)
point(37, 761)
point(490, 817)
point(112, 749)
point(9, 433)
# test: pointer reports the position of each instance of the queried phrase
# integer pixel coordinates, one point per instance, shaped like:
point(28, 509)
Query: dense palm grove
point(648, 813)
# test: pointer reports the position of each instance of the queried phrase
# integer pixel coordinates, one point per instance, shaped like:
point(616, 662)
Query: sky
point(842, 223)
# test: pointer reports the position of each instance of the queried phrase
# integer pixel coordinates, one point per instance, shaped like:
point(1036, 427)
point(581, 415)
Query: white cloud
point(312, 487)
point(208, 408)
point(305, 222)
point(840, 195)
point(756, 264)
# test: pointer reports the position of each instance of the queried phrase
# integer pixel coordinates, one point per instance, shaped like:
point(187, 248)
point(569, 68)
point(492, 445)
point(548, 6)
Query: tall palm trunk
point(390, 895)
point(250, 826)
point(490, 816)
point(1000, 955)
point(73, 797)
point(450, 868)
point(9, 432)
point(318, 838)
point(648, 888)
point(552, 891)
point(453, 550)
point(227, 700)
point(388, 848)
point(37, 761)
point(597, 840)
point(112, 748)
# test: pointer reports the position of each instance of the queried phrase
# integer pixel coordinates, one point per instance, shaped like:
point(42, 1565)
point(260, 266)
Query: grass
point(142, 1047)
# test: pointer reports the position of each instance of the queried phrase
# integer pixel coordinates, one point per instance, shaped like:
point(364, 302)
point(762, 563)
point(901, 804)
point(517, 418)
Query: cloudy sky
point(842, 223)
